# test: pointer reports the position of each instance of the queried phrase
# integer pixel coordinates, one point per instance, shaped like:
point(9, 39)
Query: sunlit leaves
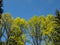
point(38, 27)
point(34, 20)
point(16, 30)
point(44, 26)
point(20, 21)
point(7, 18)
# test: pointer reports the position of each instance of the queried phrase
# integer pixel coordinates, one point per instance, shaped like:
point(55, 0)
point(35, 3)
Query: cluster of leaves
point(43, 28)
point(57, 41)
point(38, 27)
point(14, 28)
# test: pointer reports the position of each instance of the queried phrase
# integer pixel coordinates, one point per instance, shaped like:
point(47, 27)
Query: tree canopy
point(38, 27)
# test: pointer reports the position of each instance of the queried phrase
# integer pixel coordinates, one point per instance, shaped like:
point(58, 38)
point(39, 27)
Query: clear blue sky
point(28, 8)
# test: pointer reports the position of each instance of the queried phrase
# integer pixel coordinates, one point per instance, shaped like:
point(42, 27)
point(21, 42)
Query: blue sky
point(28, 8)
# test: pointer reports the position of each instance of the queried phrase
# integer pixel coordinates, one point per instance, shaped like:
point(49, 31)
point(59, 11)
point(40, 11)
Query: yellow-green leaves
point(38, 27)
point(34, 20)
point(15, 29)
point(42, 19)
point(43, 26)
point(20, 22)
point(7, 18)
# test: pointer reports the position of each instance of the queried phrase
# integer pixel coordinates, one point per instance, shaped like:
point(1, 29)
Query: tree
point(42, 28)
point(1, 30)
point(15, 29)
point(34, 27)
point(58, 28)
point(18, 28)
point(15, 36)
point(49, 32)
point(38, 27)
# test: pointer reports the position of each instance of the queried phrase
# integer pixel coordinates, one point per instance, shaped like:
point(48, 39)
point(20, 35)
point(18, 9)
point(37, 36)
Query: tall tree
point(48, 29)
point(42, 28)
point(7, 22)
point(19, 28)
point(34, 27)
point(1, 11)
point(58, 28)
point(15, 30)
